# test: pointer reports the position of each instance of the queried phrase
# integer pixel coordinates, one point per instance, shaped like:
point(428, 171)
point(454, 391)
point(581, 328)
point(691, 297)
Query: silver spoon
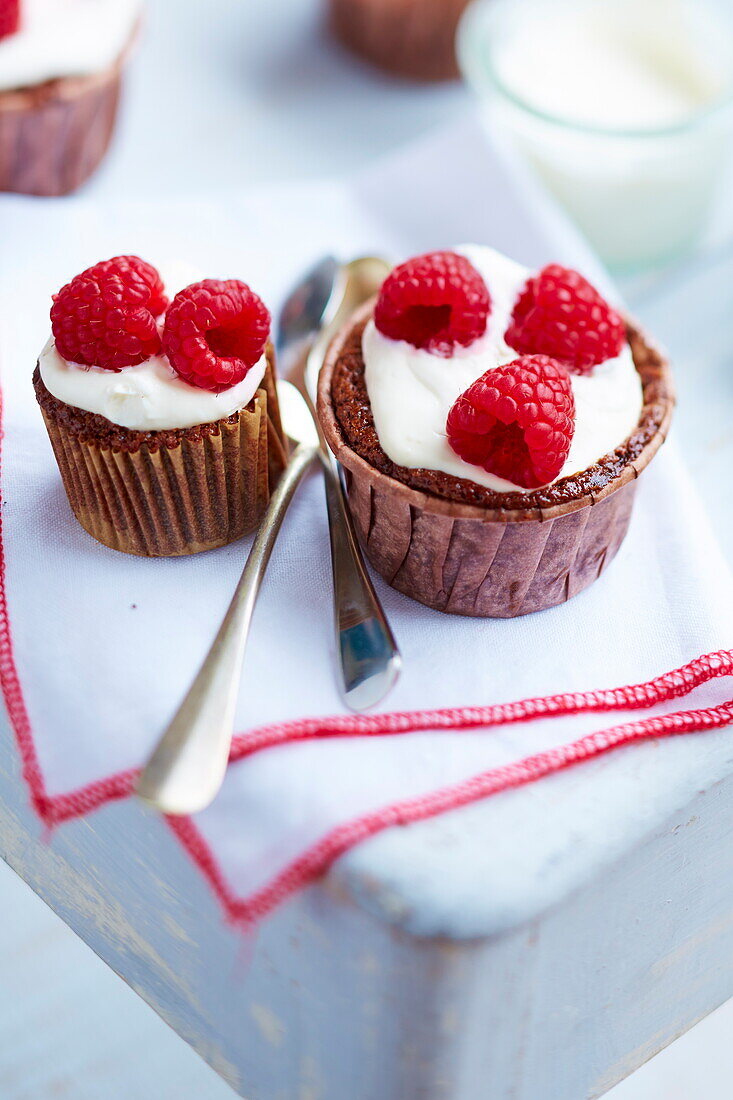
point(187, 768)
point(369, 661)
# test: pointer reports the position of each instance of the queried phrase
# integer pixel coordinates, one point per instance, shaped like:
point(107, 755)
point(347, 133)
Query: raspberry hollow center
point(510, 456)
point(215, 331)
point(225, 341)
point(426, 324)
point(436, 302)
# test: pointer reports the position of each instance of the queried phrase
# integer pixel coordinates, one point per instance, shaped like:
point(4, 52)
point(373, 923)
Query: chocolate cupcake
point(60, 72)
point(163, 418)
point(412, 38)
point(492, 452)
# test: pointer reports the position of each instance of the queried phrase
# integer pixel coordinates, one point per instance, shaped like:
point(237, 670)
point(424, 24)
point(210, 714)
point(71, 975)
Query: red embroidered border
point(311, 864)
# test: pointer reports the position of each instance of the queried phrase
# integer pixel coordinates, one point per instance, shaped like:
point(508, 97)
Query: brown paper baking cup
point(54, 135)
point(494, 562)
point(209, 488)
point(412, 38)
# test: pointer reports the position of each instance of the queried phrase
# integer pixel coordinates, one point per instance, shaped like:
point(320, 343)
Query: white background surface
point(223, 94)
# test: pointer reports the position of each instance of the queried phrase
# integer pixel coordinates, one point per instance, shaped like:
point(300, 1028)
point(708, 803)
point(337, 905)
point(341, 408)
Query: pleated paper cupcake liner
point(412, 38)
point(207, 490)
point(55, 135)
point(493, 562)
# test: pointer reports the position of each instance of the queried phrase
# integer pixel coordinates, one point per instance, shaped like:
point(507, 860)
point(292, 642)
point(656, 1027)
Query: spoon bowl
point(357, 282)
point(305, 311)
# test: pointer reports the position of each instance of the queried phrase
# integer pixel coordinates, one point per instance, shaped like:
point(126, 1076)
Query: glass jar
point(641, 193)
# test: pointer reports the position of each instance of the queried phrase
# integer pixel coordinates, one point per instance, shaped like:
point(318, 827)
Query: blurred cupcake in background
point(61, 63)
point(411, 38)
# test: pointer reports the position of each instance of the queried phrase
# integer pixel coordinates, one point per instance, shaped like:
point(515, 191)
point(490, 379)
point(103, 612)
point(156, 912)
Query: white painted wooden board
point(85, 1035)
point(332, 1000)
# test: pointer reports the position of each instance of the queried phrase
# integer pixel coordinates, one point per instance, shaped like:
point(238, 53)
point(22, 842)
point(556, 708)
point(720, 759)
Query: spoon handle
point(368, 657)
point(187, 768)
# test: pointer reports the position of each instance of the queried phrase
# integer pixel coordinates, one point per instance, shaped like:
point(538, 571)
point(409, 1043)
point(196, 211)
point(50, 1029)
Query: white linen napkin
point(105, 645)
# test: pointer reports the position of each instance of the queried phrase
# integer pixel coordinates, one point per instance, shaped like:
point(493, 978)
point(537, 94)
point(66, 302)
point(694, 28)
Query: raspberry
point(9, 17)
point(560, 314)
point(516, 421)
point(434, 302)
point(105, 317)
point(215, 331)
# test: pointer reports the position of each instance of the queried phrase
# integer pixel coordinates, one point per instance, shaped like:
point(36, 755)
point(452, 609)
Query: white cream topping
point(60, 38)
point(147, 398)
point(411, 391)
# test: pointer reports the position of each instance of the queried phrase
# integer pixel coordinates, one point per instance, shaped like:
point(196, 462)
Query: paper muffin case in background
point(412, 38)
point(54, 135)
point(168, 493)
